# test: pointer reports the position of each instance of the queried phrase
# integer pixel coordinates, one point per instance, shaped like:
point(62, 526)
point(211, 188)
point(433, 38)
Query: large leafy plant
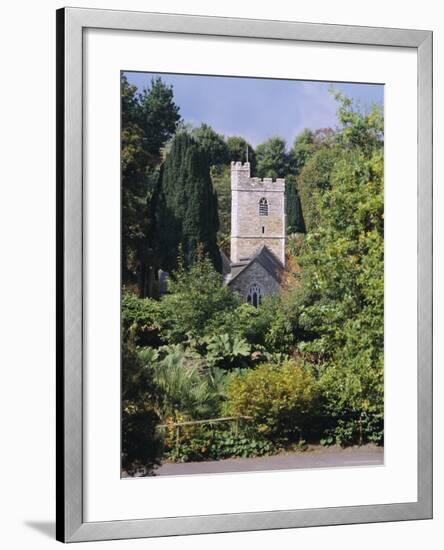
point(279, 398)
point(227, 351)
point(186, 389)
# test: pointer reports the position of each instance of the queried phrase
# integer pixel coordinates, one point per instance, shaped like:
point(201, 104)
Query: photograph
point(233, 220)
point(252, 249)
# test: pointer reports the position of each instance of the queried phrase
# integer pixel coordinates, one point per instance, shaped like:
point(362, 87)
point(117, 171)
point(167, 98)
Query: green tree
point(314, 180)
point(305, 145)
point(159, 117)
point(213, 144)
point(187, 213)
point(293, 209)
point(303, 148)
point(134, 159)
point(196, 300)
point(272, 159)
point(237, 151)
point(221, 178)
point(343, 279)
point(361, 129)
point(148, 120)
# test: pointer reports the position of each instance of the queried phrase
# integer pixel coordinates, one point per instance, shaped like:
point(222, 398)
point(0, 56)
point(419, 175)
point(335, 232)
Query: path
point(314, 457)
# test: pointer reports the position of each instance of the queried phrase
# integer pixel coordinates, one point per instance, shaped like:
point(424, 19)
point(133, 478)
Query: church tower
point(257, 214)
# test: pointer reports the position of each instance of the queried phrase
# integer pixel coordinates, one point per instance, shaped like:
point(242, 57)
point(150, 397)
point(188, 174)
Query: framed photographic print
point(244, 271)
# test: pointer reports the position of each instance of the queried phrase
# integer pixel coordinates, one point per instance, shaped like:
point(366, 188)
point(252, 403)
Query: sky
point(259, 108)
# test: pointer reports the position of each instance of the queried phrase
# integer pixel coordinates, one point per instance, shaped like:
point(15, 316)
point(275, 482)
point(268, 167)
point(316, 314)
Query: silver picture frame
point(71, 24)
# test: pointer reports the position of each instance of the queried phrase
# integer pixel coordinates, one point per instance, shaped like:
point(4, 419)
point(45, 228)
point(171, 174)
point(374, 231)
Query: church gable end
point(254, 277)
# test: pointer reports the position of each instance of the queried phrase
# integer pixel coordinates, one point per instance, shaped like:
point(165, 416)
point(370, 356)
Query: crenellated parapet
point(267, 183)
point(238, 165)
point(241, 180)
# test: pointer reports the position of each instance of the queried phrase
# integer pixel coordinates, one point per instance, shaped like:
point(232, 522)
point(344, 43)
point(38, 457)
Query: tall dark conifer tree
point(187, 217)
point(295, 218)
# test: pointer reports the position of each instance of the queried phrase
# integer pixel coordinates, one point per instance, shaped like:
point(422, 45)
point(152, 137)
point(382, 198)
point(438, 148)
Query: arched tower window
point(254, 295)
point(263, 207)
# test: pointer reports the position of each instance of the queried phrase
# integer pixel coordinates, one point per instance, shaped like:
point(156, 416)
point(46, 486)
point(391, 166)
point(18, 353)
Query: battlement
point(240, 179)
point(263, 182)
point(240, 166)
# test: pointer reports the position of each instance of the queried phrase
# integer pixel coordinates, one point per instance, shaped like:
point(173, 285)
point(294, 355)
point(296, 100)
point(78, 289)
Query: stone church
point(257, 235)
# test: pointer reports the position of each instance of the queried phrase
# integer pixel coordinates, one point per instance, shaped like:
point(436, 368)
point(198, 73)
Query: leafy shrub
point(140, 319)
point(141, 446)
point(354, 429)
point(185, 388)
point(279, 398)
point(196, 299)
point(198, 443)
point(270, 326)
point(227, 351)
point(353, 402)
point(226, 445)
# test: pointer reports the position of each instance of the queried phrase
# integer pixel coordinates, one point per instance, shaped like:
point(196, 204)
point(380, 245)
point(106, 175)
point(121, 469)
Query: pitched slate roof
point(265, 258)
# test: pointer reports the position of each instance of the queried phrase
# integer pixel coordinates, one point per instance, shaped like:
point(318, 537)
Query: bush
point(353, 401)
point(197, 443)
point(196, 299)
point(354, 428)
point(186, 389)
point(272, 325)
point(139, 320)
point(141, 447)
point(281, 399)
point(227, 351)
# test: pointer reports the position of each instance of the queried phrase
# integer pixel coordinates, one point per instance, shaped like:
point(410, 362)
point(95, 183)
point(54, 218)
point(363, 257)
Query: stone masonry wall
point(246, 247)
point(249, 230)
point(254, 274)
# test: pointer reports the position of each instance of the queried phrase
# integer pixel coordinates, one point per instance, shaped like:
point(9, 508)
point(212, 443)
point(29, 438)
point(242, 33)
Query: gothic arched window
point(254, 295)
point(263, 207)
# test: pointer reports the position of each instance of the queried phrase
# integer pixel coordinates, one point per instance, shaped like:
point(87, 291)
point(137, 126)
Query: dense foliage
point(213, 144)
point(141, 444)
point(196, 443)
point(293, 208)
point(187, 214)
point(281, 399)
point(149, 119)
point(308, 363)
point(272, 158)
point(221, 177)
point(343, 275)
point(240, 150)
point(197, 299)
